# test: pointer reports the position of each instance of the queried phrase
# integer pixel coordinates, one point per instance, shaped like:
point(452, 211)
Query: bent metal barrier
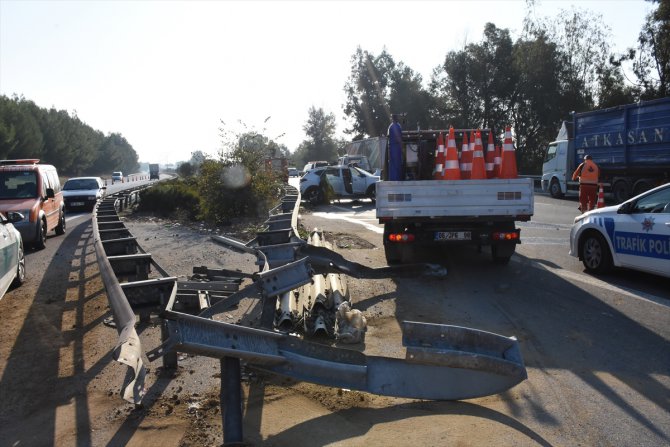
point(299, 282)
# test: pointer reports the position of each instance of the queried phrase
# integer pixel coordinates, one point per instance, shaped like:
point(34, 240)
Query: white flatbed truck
point(427, 213)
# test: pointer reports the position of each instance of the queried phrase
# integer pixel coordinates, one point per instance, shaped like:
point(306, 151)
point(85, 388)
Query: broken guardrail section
point(441, 361)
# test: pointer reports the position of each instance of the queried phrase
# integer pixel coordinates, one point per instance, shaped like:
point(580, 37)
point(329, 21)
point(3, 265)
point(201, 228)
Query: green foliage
point(239, 184)
point(170, 197)
point(320, 143)
point(61, 139)
point(186, 169)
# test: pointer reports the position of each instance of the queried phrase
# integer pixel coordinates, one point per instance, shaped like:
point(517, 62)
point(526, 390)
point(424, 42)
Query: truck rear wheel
point(501, 253)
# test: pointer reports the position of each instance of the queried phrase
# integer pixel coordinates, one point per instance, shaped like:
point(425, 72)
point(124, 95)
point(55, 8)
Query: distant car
point(321, 185)
point(313, 165)
point(12, 261)
point(293, 172)
point(635, 234)
point(83, 192)
point(117, 176)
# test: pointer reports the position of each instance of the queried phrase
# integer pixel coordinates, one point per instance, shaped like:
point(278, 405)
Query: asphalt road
point(597, 349)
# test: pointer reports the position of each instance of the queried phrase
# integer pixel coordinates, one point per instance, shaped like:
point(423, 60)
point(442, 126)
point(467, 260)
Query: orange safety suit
point(588, 174)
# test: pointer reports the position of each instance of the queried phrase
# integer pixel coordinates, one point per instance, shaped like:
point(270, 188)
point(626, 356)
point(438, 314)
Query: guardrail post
point(231, 401)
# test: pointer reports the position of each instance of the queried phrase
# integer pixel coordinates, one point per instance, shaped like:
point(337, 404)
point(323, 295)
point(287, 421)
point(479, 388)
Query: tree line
point(63, 140)
point(555, 67)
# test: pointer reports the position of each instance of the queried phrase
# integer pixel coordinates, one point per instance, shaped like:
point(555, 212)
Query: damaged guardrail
point(302, 288)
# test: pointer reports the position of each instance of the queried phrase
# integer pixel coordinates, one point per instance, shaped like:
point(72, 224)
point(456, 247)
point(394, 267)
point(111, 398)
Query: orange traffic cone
point(496, 163)
point(601, 196)
point(508, 163)
point(478, 165)
point(452, 170)
point(466, 158)
point(438, 172)
point(490, 157)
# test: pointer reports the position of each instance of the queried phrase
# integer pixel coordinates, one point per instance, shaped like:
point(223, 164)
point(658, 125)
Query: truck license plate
point(453, 236)
point(77, 204)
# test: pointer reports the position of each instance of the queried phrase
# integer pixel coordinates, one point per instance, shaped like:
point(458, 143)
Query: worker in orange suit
point(588, 174)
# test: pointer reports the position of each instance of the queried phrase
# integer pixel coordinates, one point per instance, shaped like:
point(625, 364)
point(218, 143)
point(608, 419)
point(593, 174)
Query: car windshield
point(18, 184)
point(78, 184)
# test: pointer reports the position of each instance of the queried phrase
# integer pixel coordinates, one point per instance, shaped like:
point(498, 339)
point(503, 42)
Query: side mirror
point(14, 216)
point(104, 187)
point(50, 193)
point(625, 208)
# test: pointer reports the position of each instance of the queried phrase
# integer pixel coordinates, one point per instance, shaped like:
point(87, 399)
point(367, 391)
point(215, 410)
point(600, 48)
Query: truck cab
point(554, 169)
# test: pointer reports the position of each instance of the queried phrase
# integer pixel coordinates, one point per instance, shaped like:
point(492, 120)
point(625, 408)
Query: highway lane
point(597, 349)
point(545, 244)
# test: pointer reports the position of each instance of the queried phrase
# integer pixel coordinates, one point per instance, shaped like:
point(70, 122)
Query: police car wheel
point(595, 253)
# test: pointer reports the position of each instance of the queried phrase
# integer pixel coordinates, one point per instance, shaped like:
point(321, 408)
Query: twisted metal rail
point(442, 361)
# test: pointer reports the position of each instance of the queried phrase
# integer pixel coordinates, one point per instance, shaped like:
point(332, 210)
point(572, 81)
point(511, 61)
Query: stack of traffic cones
point(466, 158)
point(490, 156)
point(452, 170)
point(478, 166)
point(439, 159)
point(601, 196)
point(508, 163)
point(496, 163)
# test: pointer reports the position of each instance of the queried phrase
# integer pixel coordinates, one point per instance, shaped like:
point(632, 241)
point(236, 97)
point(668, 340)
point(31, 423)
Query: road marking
point(371, 227)
point(535, 240)
point(75, 217)
point(592, 281)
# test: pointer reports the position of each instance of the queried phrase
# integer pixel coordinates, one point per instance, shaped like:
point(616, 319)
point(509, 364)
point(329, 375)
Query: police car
point(635, 234)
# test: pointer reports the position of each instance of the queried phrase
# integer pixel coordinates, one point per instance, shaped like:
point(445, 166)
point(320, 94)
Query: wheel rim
point(593, 253)
point(44, 232)
point(21, 265)
point(554, 188)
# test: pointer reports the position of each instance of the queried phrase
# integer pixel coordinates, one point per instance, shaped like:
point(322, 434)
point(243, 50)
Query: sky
point(170, 75)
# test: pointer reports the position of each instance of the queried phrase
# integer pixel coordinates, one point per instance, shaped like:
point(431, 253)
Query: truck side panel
point(455, 198)
point(633, 138)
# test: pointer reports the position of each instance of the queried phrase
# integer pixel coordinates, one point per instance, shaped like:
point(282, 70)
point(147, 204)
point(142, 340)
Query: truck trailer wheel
point(620, 191)
point(555, 189)
point(501, 253)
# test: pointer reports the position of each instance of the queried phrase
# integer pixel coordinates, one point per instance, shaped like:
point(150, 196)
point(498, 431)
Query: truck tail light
point(401, 237)
point(506, 236)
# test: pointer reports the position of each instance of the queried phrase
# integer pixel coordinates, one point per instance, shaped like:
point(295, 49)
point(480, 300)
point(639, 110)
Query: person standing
point(587, 173)
point(395, 150)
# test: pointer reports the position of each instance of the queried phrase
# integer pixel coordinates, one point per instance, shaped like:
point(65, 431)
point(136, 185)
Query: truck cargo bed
point(433, 199)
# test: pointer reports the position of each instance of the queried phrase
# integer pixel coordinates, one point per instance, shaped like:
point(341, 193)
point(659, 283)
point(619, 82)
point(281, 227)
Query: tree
point(320, 143)
point(368, 93)
point(651, 64)
point(378, 87)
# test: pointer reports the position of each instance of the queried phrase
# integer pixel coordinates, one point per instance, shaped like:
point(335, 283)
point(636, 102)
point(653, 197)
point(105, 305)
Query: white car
point(337, 182)
point(117, 176)
point(12, 261)
point(635, 234)
point(83, 192)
